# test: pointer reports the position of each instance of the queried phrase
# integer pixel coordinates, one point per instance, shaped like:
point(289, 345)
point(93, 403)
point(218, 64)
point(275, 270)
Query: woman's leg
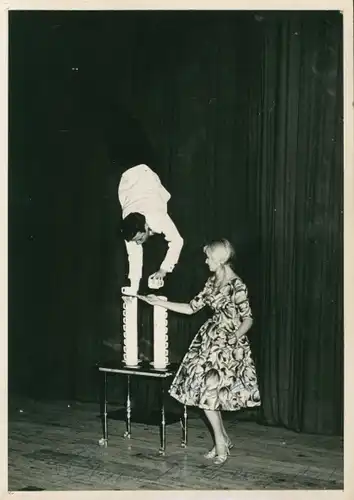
point(223, 430)
point(215, 420)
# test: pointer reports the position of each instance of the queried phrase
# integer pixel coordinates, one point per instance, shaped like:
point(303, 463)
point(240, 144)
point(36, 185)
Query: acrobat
point(144, 201)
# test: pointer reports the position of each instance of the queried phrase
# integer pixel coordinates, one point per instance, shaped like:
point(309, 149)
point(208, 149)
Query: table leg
point(163, 421)
point(104, 440)
point(127, 434)
point(184, 426)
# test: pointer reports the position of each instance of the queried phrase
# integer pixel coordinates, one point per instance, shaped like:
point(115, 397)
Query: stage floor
point(54, 446)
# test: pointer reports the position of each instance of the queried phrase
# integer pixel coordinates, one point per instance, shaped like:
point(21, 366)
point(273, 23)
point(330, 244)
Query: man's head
point(134, 228)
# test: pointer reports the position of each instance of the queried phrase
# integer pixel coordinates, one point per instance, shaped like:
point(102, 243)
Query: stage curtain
point(295, 186)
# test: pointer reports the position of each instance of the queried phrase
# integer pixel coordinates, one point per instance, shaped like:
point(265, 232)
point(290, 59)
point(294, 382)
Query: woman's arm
point(192, 307)
point(177, 307)
point(243, 307)
point(244, 327)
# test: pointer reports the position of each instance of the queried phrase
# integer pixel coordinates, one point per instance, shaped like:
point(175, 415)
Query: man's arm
point(174, 240)
point(135, 261)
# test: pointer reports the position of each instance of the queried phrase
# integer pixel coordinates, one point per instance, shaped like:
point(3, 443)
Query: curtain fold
point(295, 188)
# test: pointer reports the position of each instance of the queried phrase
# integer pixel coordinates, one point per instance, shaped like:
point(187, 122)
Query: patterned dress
point(218, 372)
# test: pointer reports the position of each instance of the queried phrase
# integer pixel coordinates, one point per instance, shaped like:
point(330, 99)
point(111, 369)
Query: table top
point(144, 369)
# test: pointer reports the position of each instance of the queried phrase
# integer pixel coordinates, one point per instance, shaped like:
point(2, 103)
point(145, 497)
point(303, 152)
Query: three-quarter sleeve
point(174, 241)
point(241, 300)
point(198, 302)
point(162, 223)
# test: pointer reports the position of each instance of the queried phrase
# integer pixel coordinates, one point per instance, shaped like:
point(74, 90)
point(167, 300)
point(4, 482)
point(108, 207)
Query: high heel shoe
point(221, 459)
point(212, 453)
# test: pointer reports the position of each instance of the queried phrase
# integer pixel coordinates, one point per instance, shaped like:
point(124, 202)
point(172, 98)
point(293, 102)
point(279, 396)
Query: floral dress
point(218, 371)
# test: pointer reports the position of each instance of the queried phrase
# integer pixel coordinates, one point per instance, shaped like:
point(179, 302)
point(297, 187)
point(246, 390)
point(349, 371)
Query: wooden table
point(143, 370)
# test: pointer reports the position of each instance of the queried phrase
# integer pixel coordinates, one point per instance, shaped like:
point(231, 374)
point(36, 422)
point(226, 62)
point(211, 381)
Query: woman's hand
point(153, 300)
point(150, 299)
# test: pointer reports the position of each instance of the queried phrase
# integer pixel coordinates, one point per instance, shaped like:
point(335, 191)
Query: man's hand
point(130, 291)
point(159, 275)
point(156, 280)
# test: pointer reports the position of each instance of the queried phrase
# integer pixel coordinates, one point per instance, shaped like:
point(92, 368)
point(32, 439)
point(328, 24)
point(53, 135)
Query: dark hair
point(133, 223)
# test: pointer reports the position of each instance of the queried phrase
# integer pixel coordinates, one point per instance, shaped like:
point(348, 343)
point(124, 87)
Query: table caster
point(183, 445)
point(103, 442)
point(126, 435)
point(162, 452)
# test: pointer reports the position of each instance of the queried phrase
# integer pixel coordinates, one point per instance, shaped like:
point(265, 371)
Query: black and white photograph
point(175, 250)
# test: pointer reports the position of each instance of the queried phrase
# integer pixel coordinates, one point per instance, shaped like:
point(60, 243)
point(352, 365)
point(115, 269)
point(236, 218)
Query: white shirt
point(140, 190)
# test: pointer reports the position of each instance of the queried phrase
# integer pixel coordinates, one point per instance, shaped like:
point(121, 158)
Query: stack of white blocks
point(130, 332)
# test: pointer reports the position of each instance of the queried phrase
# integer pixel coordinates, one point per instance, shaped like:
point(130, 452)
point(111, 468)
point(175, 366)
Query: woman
point(218, 372)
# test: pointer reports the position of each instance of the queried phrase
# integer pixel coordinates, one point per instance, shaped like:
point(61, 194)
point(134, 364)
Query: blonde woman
point(218, 372)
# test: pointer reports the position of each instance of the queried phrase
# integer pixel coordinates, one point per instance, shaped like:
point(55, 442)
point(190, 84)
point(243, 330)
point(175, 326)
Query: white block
point(130, 331)
point(160, 360)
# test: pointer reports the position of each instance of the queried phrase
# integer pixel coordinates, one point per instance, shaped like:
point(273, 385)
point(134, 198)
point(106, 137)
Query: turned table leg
point(104, 440)
point(127, 434)
point(184, 426)
point(163, 422)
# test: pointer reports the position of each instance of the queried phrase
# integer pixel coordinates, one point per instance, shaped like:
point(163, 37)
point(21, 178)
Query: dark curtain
point(242, 118)
point(295, 187)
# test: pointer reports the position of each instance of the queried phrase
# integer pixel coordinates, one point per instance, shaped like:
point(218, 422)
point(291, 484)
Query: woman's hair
point(223, 247)
point(133, 223)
